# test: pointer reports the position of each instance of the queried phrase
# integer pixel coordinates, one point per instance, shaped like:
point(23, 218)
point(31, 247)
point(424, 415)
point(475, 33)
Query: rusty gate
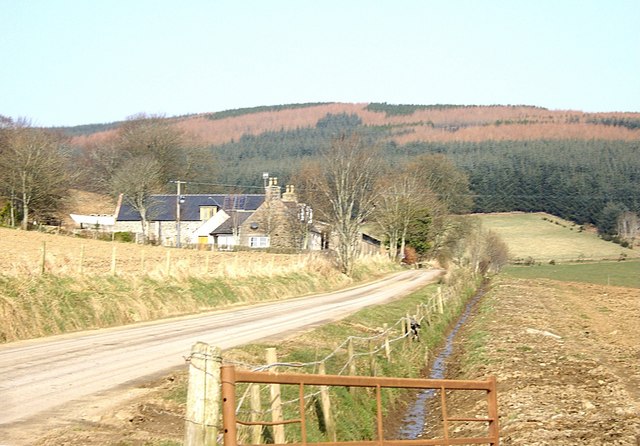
point(230, 376)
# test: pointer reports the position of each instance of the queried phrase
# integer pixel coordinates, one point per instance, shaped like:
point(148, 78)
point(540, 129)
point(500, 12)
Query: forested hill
point(406, 123)
point(580, 166)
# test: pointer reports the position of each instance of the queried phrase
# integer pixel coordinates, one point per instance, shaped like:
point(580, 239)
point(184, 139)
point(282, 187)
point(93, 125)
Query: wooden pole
point(387, 348)
point(168, 265)
point(352, 358)
point(256, 411)
point(325, 403)
point(43, 258)
point(440, 301)
point(276, 402)
point(352, 362)
point(203, 396)
point(113, 260)
point(81, 265)
point(372, 358)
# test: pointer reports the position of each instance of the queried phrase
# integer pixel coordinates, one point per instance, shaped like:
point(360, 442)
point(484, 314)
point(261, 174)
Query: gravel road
point(42, 377)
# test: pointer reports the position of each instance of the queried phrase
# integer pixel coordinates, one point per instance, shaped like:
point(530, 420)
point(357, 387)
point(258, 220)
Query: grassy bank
point(41, 305)
point(354, 409)
point(541, 238)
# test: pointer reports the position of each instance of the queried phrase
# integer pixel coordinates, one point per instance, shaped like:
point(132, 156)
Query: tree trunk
point(25, 211)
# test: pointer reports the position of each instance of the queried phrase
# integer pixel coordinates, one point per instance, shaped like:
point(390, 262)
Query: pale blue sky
point(69, 62)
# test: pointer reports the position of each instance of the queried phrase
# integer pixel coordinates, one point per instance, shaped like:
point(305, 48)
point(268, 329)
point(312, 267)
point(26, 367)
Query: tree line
point(586, 181)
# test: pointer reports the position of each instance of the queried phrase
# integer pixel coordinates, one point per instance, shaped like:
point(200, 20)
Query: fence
point(66, 256)
point(368, 351)
point(230, 377)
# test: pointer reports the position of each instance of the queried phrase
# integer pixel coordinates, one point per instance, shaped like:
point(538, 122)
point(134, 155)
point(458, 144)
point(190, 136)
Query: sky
point(72, 62)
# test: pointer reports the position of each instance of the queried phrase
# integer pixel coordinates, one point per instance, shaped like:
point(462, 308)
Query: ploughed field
point(567, 359)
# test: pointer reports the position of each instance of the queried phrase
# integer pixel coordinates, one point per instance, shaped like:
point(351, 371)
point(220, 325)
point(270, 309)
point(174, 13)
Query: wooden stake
point(81, 265)
point(372, 358)
point(387, 348)
point(256, 412)
point(325, 403)
point(276, 402)
point(43, 258)
point(351, 357)
point(113, 260)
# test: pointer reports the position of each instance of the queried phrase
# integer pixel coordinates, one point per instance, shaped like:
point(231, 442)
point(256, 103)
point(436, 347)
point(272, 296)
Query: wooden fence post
point(387, 348)
point(256, 411)
point(325, 403)
point(203, 396)
point(352, 358)
point(372, 358)
point(113, 260)
point(43, 258)
point(168, 266)
point(440, 302)
point(276, 402)
point(81, 265)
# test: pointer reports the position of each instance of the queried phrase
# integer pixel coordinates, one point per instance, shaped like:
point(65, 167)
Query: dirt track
point(567, 359)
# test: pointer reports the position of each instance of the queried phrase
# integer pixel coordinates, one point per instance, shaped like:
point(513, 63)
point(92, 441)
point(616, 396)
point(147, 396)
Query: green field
point(543, 238)
point(625, 273)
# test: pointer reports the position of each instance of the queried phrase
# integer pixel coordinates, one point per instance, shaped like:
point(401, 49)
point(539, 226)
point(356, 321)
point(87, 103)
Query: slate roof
point(228, 225)
point(163, 207)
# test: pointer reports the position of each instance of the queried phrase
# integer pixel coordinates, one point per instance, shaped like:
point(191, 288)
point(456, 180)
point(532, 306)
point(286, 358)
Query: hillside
point(408, 123)
point(583, 167)
point(543, 238)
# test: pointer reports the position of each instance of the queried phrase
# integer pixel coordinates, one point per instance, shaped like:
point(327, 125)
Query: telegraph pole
point(179, 200)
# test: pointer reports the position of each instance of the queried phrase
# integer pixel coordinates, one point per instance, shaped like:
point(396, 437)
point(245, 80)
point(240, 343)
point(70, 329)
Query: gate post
point(229, 428)
point(203, 396)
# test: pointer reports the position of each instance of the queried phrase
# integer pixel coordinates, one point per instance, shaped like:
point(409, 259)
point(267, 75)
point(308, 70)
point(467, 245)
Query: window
point(206, 212)
point(259, 242)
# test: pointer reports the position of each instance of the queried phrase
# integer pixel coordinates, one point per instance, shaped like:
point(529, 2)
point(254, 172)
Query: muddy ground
point(566, 357)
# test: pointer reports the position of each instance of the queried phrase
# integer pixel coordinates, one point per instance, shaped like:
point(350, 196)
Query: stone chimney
point(272, 190)
point(290, 194)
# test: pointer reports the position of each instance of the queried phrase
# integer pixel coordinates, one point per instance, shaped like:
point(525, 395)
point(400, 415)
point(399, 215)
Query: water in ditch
point(414, 420)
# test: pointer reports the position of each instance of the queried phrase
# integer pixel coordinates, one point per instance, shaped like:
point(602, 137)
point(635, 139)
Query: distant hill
point(405, 123)
point(583, 167)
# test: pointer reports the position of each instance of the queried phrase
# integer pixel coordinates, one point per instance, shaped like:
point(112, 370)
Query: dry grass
point(21, 254)
point(150, 282)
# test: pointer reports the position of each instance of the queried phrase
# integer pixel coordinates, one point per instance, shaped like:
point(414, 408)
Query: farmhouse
point(224, 221)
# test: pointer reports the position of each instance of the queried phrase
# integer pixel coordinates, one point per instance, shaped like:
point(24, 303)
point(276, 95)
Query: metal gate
point(230, 376)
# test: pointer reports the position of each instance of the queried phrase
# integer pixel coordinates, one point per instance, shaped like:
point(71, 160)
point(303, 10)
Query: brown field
point(566, 358)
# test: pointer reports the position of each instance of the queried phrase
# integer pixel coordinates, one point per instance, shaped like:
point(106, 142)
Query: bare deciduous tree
point(137, 180)
point(345, 186)
point(35, 174)
point(398, 206)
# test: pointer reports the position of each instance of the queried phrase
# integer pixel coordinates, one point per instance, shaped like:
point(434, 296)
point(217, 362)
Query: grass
point(544, 238)
point(40, 305)
point(354, 410)
point(626, 274)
